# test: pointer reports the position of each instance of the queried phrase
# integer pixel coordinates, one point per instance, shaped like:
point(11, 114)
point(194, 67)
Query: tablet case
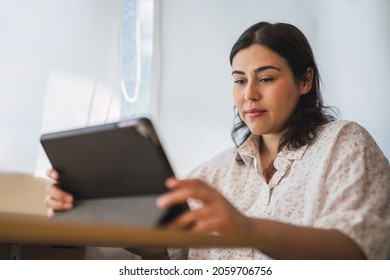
point(110, 169)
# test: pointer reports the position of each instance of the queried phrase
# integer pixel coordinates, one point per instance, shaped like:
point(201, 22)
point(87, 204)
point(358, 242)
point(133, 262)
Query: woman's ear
point(307, 81)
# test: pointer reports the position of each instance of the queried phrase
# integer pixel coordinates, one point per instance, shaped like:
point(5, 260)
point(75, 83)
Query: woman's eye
point(240, 82)
point(266, 80)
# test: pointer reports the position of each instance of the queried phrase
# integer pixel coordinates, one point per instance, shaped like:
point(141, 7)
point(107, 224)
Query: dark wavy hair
point(310, 113)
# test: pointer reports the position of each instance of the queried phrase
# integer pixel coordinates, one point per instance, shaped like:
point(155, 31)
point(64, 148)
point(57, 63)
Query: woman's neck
point(269, 146)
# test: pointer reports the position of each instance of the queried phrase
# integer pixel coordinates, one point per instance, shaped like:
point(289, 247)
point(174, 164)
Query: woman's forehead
point(256, 56)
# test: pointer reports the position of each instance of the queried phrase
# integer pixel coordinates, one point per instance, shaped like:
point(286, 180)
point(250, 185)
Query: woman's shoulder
point(342, 126)
point(344, 130)
point(346, 135)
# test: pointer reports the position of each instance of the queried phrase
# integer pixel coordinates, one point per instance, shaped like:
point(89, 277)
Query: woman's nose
point(252, 92)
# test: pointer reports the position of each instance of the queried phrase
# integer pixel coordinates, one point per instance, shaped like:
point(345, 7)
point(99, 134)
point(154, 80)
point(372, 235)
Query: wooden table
point(29, 229)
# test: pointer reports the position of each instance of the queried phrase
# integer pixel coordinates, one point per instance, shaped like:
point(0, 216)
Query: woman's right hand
point(56, 199)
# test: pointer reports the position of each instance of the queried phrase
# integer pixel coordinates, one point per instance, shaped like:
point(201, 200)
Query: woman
point(317, 187)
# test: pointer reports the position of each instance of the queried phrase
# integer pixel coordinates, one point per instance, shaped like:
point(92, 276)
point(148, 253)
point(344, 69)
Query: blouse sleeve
point(358, 192)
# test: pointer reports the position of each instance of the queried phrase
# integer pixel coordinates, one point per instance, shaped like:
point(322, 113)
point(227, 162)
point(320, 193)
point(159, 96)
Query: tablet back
point(110, 161)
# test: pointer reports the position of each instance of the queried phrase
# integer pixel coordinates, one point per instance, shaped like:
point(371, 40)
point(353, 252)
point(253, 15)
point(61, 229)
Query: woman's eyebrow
point(238, 72)
point(263, 68)
point(257, 70)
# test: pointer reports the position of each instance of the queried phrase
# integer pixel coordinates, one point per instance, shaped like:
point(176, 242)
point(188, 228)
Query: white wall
point(195, 113)
point(47, 46)
point(353, 48)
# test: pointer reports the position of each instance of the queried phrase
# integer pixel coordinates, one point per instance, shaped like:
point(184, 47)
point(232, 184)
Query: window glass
point(136, 54)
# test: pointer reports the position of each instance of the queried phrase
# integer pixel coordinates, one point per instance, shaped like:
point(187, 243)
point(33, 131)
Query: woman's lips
point(254, 113)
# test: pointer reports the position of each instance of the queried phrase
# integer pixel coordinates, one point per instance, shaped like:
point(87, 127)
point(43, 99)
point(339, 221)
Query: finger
point(172, 183)
point(187, 190)
point(173, 198)
point(58, 194)
point(52, 173)
point(188, 219)
point(57, 205)
point(206, 226)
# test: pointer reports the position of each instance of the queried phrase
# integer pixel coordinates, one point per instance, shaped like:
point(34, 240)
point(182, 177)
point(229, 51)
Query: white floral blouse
point(340, 181)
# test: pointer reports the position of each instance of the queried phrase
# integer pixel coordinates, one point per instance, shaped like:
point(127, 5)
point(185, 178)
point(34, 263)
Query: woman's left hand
point(215, 214)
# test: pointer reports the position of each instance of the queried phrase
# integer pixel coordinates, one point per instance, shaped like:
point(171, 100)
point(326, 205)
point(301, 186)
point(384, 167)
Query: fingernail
point(67, 205)
point(161, 201)
point(170, 182)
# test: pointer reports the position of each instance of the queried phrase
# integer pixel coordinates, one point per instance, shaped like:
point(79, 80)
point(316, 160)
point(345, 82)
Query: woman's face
point(265, 91)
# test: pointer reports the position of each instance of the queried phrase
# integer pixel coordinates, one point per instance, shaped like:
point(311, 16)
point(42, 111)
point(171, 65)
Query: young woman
point(318, 188)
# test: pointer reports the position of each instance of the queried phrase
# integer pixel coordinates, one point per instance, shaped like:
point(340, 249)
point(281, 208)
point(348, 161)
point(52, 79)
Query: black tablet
point(115, 160)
